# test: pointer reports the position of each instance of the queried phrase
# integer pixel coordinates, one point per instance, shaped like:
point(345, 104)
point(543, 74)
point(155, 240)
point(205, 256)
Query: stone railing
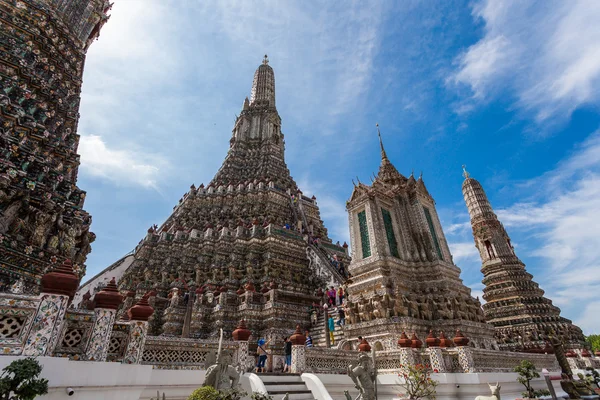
point(75, 334)
point(16, 316)
point(179, 353)
point(452, 360)
point(330, 361)
point(504, 361)
point(119, 339)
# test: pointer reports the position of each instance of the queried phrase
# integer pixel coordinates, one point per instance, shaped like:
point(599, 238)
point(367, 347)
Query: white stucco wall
point(115, 381)
point(450, 386)
point(115, 270)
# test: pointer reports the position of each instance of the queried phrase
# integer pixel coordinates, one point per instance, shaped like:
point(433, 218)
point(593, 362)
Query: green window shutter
point(364, 234)
point(433, 234)
point(389, 232)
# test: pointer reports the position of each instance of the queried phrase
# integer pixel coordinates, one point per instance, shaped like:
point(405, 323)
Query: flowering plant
point(417, 382)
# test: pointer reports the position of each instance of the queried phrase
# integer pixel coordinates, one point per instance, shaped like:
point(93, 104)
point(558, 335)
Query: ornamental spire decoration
point(383, 154)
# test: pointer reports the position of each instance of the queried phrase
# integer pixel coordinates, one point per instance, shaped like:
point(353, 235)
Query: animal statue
point(221, 376)
point(495, 393)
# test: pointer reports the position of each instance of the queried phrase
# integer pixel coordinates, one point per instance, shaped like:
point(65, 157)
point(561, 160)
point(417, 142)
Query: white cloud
point(545, 55)
point(464, 251)
point(122, 167)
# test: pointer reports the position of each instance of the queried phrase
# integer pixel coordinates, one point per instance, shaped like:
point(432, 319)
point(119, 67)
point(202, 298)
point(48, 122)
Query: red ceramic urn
point(61, 281)
point(404, 341)
point(460, 339)
point(241, 333)
point(431, 340)
point(298, 338)
point(364, 346)
point(109, 297)
point(141, 311)
point(415, 342)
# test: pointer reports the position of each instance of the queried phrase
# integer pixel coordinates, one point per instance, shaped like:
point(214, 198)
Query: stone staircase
point(318, 330)
point(280, 384)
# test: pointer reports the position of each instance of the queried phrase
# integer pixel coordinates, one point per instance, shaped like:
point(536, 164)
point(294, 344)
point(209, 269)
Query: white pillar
point(46, 325)
point(97, 347)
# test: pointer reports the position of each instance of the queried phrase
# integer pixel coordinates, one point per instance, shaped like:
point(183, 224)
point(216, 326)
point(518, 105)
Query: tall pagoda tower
point(516, 305)
point(241, 247)
point(43, 44)
point(403, 276)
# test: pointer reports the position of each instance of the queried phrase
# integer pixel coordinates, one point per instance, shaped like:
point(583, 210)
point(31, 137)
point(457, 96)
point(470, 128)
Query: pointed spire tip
point(465, 173)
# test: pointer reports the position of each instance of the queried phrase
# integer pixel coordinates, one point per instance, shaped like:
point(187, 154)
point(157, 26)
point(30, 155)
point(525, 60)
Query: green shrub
point(260, 396)
point(19, 380)
point(527, 373)
point(210, 393)
point(205, 393)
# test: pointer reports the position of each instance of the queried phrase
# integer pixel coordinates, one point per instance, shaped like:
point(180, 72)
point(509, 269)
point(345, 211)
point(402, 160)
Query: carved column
point(58, 287)
point(107, 302)
point(436, 359)
point(298, 351)
point(465, 359)
point(298, 359)
point(241, 335)
point(138, 328)
point(407, 357)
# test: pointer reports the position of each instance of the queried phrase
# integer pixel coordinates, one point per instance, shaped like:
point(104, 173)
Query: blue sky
point(509, 88)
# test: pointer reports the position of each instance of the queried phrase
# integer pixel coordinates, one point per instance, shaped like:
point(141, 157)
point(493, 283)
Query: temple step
point(280, 384)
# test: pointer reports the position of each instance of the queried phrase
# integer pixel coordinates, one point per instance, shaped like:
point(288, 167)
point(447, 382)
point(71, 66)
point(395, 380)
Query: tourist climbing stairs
point(318, 331)
point(280, 384)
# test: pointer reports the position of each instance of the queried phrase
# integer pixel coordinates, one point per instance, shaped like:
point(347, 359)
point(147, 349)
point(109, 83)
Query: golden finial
point(465, 173)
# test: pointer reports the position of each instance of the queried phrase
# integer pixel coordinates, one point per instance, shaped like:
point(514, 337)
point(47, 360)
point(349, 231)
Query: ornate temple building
point(403, 276)
point(516, 305)
point(249, 245)
point(43, 44)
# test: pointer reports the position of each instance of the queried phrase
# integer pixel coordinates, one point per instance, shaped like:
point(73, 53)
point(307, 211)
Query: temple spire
point(383, 155)
point(515, 303)
point(263, 86)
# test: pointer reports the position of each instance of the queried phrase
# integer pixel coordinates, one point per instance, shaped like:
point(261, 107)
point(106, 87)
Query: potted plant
point(19, 380)
point(417, 382)
point(527, 373)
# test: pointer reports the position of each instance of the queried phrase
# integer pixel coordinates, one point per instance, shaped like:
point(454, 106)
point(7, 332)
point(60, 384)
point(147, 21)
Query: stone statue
point(18, 287)
point(174, 297)
point(363, 377)
point(221, 375)
point(44, 219)
point(495, 393)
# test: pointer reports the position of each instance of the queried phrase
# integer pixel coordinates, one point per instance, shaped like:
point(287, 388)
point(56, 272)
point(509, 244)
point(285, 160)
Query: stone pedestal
point(436, 359)
point(243, 358)
point(407, 357)
point(46, 325)
point(107, 301)
point(138, 328)
point(97, 347)
point(58, 287)
point(298, 358)
point(137, 338)
point(465, 359)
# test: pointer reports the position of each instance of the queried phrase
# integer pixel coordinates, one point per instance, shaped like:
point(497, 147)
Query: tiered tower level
point(403, 276)
point(238, 248)
point(516, 305)
point(42, 51)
